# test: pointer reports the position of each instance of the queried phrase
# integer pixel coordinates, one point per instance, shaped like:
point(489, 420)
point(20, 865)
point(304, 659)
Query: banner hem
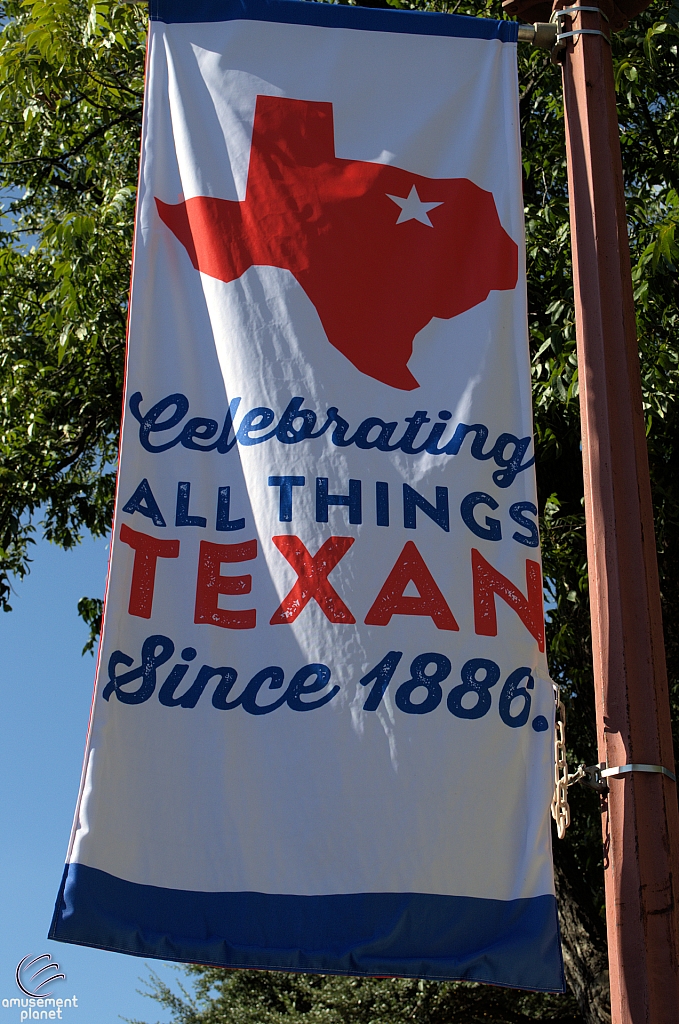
point(326, 15)
point(513, 944)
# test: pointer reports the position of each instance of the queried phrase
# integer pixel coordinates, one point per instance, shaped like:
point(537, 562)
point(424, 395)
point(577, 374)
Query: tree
point(266, 997)
point(71, 79)
point(70, 114)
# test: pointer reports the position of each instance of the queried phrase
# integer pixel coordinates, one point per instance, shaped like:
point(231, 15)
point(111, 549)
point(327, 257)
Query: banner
point(322, 731)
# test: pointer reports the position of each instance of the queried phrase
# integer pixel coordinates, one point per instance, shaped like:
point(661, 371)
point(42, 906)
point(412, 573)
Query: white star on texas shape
point(413, 208)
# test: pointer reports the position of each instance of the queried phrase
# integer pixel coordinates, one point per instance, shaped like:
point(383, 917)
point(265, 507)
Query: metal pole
point(640, 813)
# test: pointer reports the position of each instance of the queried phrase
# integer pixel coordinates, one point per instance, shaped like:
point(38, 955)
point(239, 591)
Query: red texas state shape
point(378, 250)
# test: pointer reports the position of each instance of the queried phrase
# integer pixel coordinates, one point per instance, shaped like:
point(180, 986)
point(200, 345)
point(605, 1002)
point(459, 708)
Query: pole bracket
point(589, 776)
point(547, 35)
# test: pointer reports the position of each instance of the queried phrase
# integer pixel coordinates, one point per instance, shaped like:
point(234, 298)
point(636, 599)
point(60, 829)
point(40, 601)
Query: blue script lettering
point(297, 424)
point(157, 650)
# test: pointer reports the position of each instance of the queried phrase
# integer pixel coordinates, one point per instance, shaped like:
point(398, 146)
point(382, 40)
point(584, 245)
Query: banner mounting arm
point(541, 34)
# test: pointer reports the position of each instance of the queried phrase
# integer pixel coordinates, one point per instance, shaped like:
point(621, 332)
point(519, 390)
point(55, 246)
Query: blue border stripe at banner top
point(329, 15)
point(513, 943)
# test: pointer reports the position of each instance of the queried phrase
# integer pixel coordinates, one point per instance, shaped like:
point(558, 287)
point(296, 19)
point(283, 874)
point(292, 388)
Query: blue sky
point(45, 693)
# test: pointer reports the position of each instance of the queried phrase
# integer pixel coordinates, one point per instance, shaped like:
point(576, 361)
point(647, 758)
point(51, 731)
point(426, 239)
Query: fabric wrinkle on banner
point(322, 736)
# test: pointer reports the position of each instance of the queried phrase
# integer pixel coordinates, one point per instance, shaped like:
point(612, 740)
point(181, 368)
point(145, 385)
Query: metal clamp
point(623, 769)
point(593, 775)
point(572, 12)
point(582, 32)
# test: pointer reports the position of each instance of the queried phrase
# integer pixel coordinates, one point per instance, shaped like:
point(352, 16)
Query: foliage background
point(71, 83)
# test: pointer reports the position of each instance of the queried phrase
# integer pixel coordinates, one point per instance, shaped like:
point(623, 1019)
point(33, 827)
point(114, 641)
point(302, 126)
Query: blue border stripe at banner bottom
point(333, 15)
point(514, 943)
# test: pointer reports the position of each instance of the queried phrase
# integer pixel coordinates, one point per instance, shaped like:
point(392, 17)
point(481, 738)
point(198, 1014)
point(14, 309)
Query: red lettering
point(147, 551)
point(313, 572)
point(488, 582)
point(210, 584)
point(411, 568)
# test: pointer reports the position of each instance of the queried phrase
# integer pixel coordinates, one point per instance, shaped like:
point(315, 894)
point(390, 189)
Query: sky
point(45, 694)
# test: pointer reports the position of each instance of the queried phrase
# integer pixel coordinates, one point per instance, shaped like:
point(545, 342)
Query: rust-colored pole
point(640, 815)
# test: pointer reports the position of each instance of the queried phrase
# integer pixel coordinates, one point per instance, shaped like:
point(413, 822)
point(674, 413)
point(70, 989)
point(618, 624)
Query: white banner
point(322, 726)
